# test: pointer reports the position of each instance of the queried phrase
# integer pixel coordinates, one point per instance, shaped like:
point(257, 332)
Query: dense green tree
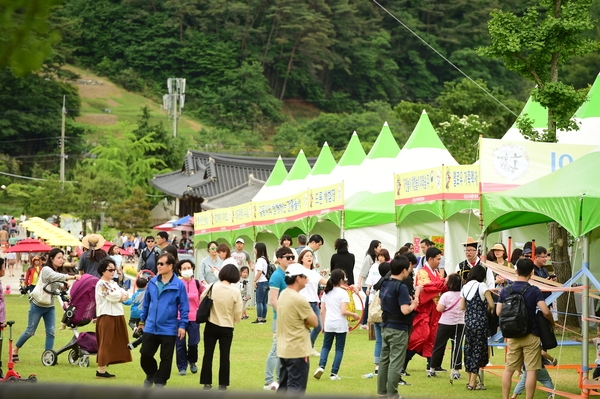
point(535, 45)
point(44, 198)
point(95, 192)
point(124, 156)
point(131, 214)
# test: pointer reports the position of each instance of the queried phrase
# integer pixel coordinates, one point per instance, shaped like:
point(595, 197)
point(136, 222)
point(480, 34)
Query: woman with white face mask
point(187, 354)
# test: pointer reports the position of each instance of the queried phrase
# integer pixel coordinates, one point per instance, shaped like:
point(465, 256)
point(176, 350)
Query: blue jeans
point(314, 334)
point(541, 375)
point(273, 363)
point(35, 314)
point(188, 353)
point(377, 352)
point(340, 343)
point(261, 299)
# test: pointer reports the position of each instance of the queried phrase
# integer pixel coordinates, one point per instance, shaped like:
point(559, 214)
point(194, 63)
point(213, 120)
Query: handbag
point(203, 312)
point(546, 332)
point(39, 296)
point(375, 312)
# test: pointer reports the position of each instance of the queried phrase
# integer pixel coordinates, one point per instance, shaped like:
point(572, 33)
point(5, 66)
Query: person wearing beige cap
point(93, 255)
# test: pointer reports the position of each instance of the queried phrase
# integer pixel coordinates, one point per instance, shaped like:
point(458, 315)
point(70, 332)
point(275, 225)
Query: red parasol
point(29, 245)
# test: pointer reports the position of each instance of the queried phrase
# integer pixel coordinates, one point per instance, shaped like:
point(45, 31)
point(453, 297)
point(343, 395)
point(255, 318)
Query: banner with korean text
point(508, 164)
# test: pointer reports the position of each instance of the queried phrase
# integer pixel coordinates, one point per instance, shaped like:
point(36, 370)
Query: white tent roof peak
point(385, 123)
point(424, 112)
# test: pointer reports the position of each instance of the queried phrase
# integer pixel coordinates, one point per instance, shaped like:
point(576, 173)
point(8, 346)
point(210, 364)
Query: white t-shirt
point(334, 320)
point(261, 267)
point(229, 261)
point(468, 290)
point(372, 278)
point(242, 258)
point(311, 289)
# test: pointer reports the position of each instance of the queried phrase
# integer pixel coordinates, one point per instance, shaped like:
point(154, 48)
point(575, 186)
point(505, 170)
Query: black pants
point(444, 333)
point(293, 375)
point(212, 334)
point(150, 343)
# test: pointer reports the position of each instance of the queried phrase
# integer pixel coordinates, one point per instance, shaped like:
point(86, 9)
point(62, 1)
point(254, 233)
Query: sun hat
point(498, 247)
point(93, 241)
point(471, 243)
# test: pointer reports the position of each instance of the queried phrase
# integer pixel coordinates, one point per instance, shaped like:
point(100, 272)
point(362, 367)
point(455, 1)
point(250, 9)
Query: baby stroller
point(80, 310)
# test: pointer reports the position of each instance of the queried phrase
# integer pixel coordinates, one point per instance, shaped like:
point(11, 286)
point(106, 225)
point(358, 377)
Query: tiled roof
point(210, 175)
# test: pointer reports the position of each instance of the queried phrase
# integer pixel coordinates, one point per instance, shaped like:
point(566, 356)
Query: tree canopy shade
point(26, 37)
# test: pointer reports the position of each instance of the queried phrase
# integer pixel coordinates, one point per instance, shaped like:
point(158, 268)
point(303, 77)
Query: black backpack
point(514, 318)
point(270, 270)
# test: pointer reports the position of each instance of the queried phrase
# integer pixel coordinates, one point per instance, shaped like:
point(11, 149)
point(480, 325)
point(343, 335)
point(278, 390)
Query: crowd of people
point(422, 308)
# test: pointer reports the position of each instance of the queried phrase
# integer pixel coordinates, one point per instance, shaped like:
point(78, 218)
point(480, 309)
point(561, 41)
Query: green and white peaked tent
point(535, 112)
point(588, 118)
point(320, 176)
point(276, 178)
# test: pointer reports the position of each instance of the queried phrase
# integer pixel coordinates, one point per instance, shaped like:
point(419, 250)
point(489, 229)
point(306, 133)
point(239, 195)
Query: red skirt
point(112, 336)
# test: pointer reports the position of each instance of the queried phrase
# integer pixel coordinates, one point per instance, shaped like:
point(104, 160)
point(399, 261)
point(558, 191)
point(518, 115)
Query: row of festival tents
point(372, 206)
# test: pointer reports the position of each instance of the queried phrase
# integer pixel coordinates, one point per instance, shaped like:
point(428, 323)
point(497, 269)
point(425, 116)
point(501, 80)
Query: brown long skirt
point(112, 336)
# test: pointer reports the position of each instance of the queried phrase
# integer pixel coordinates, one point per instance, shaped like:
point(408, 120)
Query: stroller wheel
point(49, 358)
point(84, 361)
point(73, 357)
point(12, 379)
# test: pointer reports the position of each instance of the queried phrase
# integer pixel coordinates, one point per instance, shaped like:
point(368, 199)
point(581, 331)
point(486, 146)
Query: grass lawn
point(250, 347)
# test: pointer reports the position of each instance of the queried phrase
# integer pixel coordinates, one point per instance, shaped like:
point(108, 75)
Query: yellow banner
point(418, 186)
point(281, 210)
point(508, 164)
point(202, 222)
point(221, 218)
point(241, 216)
point(326, 199)
point(461, 182)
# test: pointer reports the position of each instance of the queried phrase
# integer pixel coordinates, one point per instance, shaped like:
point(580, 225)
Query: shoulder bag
point(203, 312)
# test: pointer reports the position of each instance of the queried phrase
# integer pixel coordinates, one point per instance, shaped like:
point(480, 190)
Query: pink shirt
point(452, 315)
point(193, 296)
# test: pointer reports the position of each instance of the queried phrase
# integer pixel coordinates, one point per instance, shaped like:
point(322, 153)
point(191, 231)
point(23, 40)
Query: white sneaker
point(319, 373)
point(334, 377)
point(364, 327)
point(271, 387)
point(315, 353)
point(455, 374)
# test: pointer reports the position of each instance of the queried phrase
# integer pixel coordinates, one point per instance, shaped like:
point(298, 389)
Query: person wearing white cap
point(293, 340)
point(241, 257)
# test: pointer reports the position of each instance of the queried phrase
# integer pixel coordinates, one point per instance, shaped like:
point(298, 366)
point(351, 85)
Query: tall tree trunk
point(559, 242)
point(289, 69)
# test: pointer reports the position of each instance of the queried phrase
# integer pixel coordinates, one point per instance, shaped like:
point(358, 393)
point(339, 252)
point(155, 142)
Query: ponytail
point(337, 276)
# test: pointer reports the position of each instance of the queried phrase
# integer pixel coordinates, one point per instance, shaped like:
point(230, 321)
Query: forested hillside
point(271, 76)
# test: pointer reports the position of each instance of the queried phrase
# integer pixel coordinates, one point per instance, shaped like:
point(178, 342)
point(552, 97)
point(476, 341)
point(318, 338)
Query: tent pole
point(585, 306)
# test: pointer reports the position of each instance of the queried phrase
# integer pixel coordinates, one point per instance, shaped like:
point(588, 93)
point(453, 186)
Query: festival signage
point(221, 219)
point(202, 222)
point(281, 210)
point(461, 182)
point(418, 186)
point(241, 216)
point(508, 164)
point(326, 199)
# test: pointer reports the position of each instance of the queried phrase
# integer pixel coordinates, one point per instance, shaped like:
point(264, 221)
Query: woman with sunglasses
point(210, 266)
point(311, 293)
point(111, 328)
